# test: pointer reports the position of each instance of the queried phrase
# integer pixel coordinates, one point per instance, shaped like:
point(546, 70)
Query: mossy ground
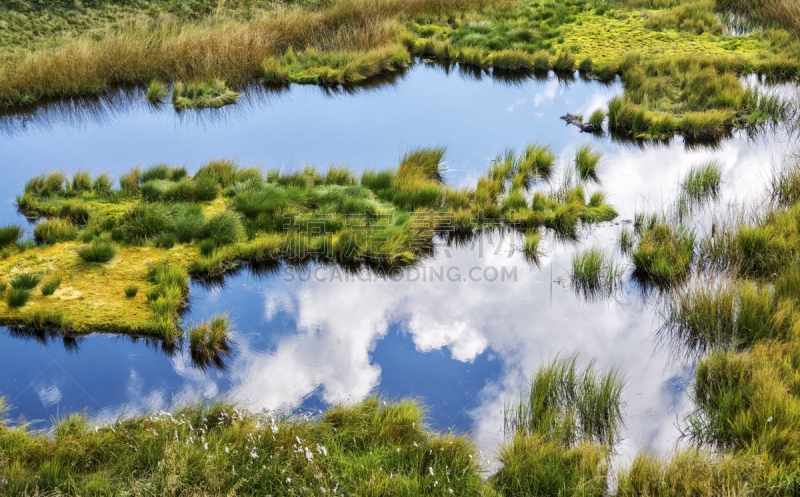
point(91, 296)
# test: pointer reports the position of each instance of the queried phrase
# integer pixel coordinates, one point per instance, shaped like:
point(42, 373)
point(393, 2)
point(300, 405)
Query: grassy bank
point(679, 67)
point(371, 448)
point(162, 224)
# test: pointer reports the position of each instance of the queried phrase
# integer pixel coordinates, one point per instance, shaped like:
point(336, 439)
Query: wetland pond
point(462, 330)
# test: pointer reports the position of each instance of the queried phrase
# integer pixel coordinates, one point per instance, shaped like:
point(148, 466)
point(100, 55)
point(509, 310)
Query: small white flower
point(253, 454)
point(431, 470)
point(205, 446)
point(226, 450)
point(288, 480)
point(769, 420)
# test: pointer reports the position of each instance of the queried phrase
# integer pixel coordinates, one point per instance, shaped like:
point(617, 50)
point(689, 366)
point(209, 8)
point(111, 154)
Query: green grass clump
point(532, 465)
point(565, 61)
point(211, 337)
point(593, 272)
point(664, 253)
point(597, 118)
point(144, 221)
point(25, 281)
point(17, 297)
point(227, 172)
point(165, 240)
point(81, 181)
point(131, 291)
point(586, 162)
point(54, 230)
point(695, 472)
point(156, 92)
point(98, 251)
point(569, 405)
point(703, 181)
point(129, 181)
point(10, 234)
point(202, 94)
point(224, 228)
point(531, 244)
point(329, 68)
point(49, 287)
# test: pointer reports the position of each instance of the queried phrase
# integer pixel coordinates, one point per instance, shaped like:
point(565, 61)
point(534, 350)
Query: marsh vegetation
point(729, 294)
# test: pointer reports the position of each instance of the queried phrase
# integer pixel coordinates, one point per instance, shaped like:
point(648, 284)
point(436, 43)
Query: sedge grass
point(17, 297)
point(156, 92)
point(703, 180)
point(55, 230)
point(10, 234)
point(570, 405)
point(202, 94)
point(586, 161)
point(664, 253)
point(212, 337)
point(594, 273)
point(597, 118)
point(97, 251)
point(25, 281)
point(49, 287)
point(131, 291)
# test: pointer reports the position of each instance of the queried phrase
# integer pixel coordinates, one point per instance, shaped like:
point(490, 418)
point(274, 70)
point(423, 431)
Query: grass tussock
point(594, 273)
point(25, 281)
point(49, 287)
point(664, 253)
point(156, 92)
point(586, 162)
point(570, 405)
point(703, 181)
point(17, 297)
point(9, 235)
point(202, 95)
point(212, 337)
point(97, 251)
point(131, 291)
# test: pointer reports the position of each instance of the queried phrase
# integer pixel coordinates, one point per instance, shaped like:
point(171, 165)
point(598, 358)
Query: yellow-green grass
point(91, 296)
point(368, 448)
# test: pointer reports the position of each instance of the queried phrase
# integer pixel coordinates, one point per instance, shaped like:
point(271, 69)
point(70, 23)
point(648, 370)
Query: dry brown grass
point(215, 47)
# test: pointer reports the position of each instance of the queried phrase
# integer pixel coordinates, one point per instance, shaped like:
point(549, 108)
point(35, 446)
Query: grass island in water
point(123, 255)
